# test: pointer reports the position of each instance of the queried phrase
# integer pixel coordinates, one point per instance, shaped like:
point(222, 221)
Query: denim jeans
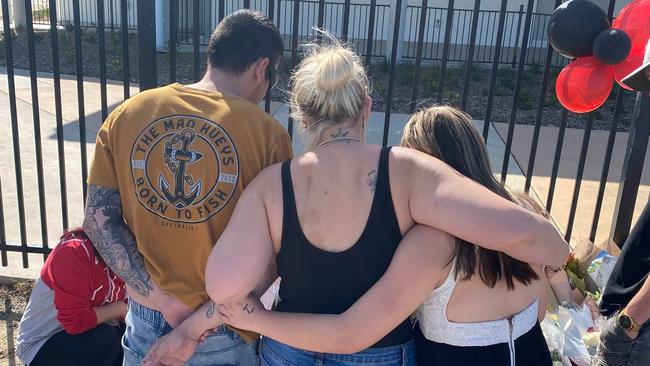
point(617, 349)
point(145, 326)
point(274, 353)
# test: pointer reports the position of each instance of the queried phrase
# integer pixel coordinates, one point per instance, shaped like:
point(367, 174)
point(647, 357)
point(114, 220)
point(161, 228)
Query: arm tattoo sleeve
point(105, 226)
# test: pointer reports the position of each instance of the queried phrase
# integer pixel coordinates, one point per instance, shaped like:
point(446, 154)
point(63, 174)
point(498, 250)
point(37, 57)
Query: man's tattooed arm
point(105, 226)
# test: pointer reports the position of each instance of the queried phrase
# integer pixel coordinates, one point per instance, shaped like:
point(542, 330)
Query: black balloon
point(612, 46)
point(574, 26)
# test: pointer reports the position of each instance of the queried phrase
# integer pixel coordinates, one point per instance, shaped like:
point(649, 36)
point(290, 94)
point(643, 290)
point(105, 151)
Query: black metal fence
point(487, 27)
point(212, 11)
point(343, 25)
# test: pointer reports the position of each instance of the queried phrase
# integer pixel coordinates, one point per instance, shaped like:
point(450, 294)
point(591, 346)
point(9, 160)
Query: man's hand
point(631, 334)
point(175, 348)
point(638, 318)
point(243, 315)
point(173, 310)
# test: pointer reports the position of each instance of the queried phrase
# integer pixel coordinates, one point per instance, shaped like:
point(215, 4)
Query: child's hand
point(242, 315)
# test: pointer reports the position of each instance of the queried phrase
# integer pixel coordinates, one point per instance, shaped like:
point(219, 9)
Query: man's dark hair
point(242, 38)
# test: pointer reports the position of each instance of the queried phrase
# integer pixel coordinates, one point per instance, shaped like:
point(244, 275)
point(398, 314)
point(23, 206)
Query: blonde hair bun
point(335, 69)
point(329, 87)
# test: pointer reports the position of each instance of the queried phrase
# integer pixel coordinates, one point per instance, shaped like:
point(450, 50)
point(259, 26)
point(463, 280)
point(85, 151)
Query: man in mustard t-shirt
point(169, 166)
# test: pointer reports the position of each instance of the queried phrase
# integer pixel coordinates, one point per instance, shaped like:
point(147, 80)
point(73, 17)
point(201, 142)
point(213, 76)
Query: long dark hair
point(449, 135)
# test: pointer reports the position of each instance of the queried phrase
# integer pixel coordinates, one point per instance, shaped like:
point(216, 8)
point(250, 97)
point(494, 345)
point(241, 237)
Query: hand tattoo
point(210, 312)
point(105, 226)
point(247, 309)
point(371, 181)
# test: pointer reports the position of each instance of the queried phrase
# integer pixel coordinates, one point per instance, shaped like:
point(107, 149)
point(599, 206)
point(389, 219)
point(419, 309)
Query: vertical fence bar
point(267, 98)
point(59, 113)
point(632, 168)
point(495, 69)
point(346, 21)
point(556, 159)
point(147, 44)
point(470, 52)
point(620, 96)
point(579, 174)
point(321, 14)
point(418, 54)
point(610, 10)
point(515, 98)
point(173, 38)
point(445, 50)
point(14, 129)
point(80, 96)
point(294, 51)
point(3, 236)
point(371, 32)
point(606, 163)
point(222, 9)
point(391, 75)
point(514, 53)
point(247, 4)
point(540, 112)
point(102, 58)
point(124, 26)
point(111, 11)
point(36, 111)
point(195, 37)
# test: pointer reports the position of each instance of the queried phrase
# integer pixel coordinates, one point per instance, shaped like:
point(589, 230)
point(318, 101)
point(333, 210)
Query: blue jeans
point(274, 353)
point(145, 326)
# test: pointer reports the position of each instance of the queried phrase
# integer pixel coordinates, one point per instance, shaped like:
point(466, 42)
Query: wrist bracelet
point(554, 271)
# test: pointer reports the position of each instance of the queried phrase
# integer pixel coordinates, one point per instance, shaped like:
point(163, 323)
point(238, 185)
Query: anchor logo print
point(177, 157)
point(185, 168)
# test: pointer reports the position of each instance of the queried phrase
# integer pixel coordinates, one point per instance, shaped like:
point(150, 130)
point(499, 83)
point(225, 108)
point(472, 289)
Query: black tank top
point(321, 282)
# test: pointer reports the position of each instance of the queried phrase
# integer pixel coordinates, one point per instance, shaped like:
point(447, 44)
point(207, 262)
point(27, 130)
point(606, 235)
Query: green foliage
point(114, 41)
point(598, 115)
point(90, 36)
point(476, 73)
point(405, 74)
point(500, 91)
point(535, 68)
point(116, 64)
point(526, 99)
point(506, 78)
point(41, 14)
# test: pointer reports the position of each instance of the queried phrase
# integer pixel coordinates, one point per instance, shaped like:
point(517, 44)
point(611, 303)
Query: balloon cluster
point(580, 30)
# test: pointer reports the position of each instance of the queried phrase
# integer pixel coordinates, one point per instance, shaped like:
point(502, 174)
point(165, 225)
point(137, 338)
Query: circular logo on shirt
point(185, 168)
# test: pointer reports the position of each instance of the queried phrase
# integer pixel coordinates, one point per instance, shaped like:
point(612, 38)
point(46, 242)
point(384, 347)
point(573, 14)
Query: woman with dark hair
point(477, 306)
point(331, 221)
point(76, 310)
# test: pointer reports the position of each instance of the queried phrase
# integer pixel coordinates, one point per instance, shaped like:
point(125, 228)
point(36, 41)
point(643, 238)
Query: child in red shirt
point(76, 310)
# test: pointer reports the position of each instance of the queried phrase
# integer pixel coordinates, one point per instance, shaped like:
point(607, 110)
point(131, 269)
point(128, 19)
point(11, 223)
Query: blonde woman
point(330, 222)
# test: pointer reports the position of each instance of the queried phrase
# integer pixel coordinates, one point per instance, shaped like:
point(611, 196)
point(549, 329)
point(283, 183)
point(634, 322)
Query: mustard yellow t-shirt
point(180, 158)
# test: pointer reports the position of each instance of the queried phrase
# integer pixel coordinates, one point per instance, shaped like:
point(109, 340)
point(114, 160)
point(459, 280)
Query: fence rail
point(487, 26)
point(497, 37)
point(212, 11)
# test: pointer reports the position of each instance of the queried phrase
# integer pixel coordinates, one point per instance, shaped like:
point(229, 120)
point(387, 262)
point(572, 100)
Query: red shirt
point(80, 281)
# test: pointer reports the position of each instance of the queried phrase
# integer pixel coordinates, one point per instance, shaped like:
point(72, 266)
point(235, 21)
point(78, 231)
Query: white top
point(436, 327)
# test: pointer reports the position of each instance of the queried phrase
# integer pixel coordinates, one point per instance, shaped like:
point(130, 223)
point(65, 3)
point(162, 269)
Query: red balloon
point(623, 69)
point(634, 19)
point(583, 85)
